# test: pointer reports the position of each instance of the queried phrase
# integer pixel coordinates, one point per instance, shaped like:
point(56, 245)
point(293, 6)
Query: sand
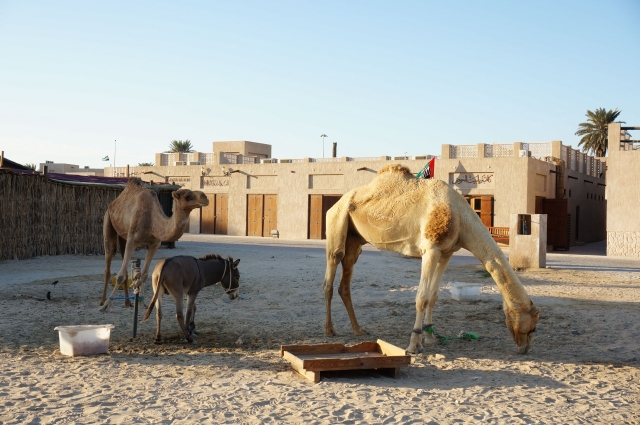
point(583, 367)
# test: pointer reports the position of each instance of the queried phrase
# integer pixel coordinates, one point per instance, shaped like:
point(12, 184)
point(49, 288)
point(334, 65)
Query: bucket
point(114, 280)
point(84, 340)
point(465, 291)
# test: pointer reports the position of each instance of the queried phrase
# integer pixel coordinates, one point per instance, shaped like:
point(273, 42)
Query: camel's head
point(522, 325)
point(190, 199)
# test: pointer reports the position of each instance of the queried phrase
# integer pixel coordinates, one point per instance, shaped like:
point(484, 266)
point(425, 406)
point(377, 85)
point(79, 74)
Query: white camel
point(418, 218)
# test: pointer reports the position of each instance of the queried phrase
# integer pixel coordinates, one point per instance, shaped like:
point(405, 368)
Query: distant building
point(60, 168)
point(253, 194)
point(623, 192)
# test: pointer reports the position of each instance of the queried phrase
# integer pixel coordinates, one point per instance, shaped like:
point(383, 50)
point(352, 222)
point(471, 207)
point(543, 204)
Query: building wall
point(61, 168)
point(623, 192)
point(513, 181)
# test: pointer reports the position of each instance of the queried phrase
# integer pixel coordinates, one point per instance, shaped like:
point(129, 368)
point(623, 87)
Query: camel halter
point(229, 289)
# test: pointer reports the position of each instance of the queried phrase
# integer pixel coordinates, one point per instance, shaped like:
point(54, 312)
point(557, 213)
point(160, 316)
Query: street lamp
point(323, 136)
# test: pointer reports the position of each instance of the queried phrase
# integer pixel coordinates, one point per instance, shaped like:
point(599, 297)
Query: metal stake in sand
point(135, 283)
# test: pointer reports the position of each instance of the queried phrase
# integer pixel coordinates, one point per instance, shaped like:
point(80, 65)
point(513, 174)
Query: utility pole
point(323, 136)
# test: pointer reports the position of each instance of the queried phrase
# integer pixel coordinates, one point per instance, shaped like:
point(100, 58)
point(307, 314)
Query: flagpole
point(114, 153)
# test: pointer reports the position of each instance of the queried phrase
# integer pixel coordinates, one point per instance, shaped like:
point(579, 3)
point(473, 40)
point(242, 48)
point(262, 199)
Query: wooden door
point(327, 202)
point(539, 202)
point(270, 214)
point(222, 214)
point(207, 216)
point(254, 215)
point(556, 211)
point(315, 217)
point(486, 210)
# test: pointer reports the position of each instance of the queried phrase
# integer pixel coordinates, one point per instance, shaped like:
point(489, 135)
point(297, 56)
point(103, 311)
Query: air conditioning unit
point(420, 157)
point(194, 162)
point(285, 161)
point(268, 161)
point(179, 163)
point(523, 153)
point(399, 158)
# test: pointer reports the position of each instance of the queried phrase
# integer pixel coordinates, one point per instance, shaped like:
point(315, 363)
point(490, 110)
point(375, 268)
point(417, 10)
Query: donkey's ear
point(235, 263)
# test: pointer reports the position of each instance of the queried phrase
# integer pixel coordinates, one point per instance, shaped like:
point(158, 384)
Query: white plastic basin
point(84, 340)
point(465, 291)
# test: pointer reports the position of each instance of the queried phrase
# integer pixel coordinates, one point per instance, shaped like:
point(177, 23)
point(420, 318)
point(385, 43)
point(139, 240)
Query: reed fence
point(39, 216)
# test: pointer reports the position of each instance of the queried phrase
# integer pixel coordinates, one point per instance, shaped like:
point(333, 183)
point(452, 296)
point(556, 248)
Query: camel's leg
point(191, 313)
point(151, 251)
point(337, 228)
point(327, 287)
point(352, 251)
point(110, 238)
point(434, 286)
point(160, 288)
point(123, 273)
point(426, 292)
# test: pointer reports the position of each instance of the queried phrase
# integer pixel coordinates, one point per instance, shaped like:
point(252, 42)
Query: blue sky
point(379, 78)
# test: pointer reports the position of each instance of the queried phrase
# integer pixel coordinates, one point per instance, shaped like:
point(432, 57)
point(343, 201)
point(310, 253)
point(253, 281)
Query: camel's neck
point(479, 242)
point(170, 229)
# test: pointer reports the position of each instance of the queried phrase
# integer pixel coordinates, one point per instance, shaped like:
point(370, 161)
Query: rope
point(468, 336)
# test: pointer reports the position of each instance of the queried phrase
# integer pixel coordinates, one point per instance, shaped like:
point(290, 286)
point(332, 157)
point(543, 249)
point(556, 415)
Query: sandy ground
point(583, 367)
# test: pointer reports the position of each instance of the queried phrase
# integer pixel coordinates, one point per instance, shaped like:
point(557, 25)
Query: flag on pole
point(427, 170)
point(106, 158)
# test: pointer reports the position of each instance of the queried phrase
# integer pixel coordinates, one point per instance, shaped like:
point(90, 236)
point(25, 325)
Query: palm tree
point(594, 131)
point(179, 146)
point(29, 165)
point(145, 164)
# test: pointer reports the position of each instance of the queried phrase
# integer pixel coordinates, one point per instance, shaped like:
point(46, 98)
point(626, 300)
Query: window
point(524, 224)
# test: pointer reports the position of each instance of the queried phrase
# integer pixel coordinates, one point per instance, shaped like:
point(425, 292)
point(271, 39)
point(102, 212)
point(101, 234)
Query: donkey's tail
point(156, 282)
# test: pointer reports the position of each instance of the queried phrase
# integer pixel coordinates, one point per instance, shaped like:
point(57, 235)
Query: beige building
point(60, 168)
point(623, 193)
point(254, 194)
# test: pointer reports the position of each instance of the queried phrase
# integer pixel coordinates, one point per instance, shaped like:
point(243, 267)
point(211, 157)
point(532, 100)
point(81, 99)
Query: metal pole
point(323, 136)
point(135, 275)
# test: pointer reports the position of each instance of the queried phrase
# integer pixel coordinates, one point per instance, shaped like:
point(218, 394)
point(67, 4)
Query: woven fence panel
point(39, 216)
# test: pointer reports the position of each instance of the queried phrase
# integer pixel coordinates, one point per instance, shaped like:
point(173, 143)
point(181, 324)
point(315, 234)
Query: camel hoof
point(157, 341)
point(414, 350)
point(359, 331)
point(329, 331)
point(194, 342)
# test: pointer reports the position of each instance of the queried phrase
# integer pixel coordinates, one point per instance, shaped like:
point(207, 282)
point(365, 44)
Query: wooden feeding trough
point(310, 360)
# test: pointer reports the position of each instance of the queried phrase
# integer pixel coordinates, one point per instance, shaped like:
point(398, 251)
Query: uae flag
point(427, 170)
point(106, 158)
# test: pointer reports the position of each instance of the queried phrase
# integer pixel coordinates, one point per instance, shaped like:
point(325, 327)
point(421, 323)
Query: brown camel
point(182, 275)
point(135, 220)
point(418, 218)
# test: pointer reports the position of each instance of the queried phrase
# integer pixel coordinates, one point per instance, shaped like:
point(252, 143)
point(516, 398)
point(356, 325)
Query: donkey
point(188, 275)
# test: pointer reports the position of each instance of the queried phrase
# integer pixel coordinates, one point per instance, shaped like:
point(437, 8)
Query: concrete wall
point(70, 169)
point(513, 181)
point(623, 193)
point(246, 148)
point(528, 250)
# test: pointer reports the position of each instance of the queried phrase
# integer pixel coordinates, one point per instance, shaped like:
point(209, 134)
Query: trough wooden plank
point(329, 348)
point(391, 350)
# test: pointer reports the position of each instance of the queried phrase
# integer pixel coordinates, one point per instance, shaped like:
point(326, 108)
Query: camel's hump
point(134, 181)
point(395, 168)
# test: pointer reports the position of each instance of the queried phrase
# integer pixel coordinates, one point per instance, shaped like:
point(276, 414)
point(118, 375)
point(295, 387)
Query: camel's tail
point(157, 279)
